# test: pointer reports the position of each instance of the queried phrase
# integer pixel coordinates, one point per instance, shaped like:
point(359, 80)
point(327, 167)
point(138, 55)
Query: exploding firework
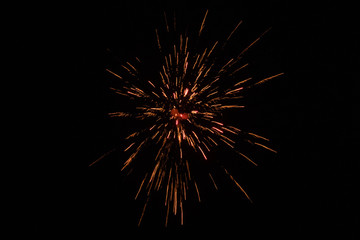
point(182, 113)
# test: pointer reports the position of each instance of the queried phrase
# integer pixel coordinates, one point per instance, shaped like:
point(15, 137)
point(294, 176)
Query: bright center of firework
point(177, 115)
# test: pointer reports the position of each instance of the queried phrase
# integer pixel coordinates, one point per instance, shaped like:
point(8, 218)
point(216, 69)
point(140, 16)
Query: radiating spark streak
point(206, 146)
point(229, 130)
point(184, 190)
point(129, 147)
point(186, 92)
point(258, 136)
point(113, 73)
point(158, 40)
point(228, 139)
point(127, 69)
point(268, 78)
point(163, 93)
point(265, 147)
point(216, 144)
point(242, 82)
point(131, 66)
point(238, 185)
point(170, 62)
point(231, 106)
point(212, 179)
point(141, 185)
point(167, 215)
point(238, 69)
point(219, 123)
point(233, 31)
point(120, 114)
point(227, 143)
point(117, 91)
point(197, 191)
point(255, 41)
point(181, 43)
point(227, 64)
point(175, 200)
point(159, 180)
point(157, 109)
point(166, 23)
point(128, 161)
point(246, 157)
point(235, 129)
point(191, 142)
point(207, 72)
point(132, 156)
point(197, 58)
point(233, 91)
point(162, 78)
point(196, 136)
point(175, 50)
point(182, 214)
point(102, 156)
point(213, 93)
point(203, 23)
point(154, 172)
point(143, 211)
point(154, 136)
point(183, 135)
point(202, 152)
point(151, 84)
point(212, 49)
point(218, 130)
point(202, 57)
point(167, 187)
point(174, 21)
point(134, 94)
point(132, 135)
point(188, 169)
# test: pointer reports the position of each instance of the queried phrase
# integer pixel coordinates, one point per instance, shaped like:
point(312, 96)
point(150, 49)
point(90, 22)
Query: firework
point(182, 114)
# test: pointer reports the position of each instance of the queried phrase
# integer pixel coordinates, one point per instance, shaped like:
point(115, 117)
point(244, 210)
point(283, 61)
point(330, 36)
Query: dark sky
point(307, 190)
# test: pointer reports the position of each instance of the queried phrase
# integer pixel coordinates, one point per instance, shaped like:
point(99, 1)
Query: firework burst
point(182, 112)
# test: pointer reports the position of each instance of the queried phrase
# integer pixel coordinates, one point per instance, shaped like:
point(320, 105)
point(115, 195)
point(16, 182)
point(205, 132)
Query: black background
point(307, 190)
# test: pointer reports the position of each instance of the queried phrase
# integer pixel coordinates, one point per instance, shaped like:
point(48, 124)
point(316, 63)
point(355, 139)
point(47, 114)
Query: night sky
point(305, 191)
